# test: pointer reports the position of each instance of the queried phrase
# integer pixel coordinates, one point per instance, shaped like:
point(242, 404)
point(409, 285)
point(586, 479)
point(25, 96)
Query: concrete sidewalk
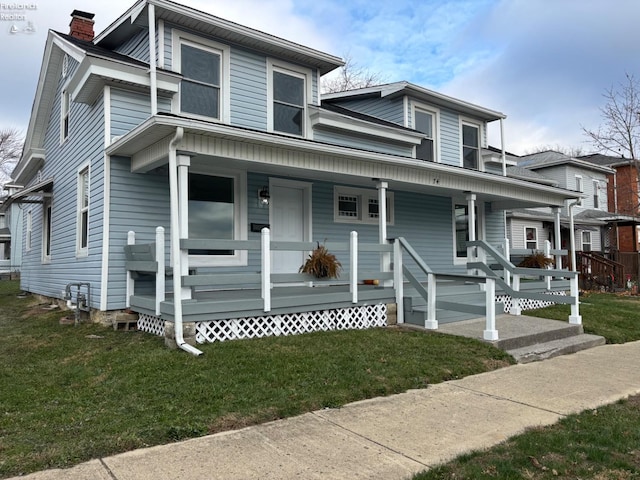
point(390, 437)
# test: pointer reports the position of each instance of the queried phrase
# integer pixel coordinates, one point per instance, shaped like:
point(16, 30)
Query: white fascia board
point(574, 162)
point(337, 121)
point(70, 49)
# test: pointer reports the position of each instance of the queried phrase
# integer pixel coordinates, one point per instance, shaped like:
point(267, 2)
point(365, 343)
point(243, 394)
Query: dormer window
point(470, 146)
point(425, 120)
point(204, 65)
point(289, 93)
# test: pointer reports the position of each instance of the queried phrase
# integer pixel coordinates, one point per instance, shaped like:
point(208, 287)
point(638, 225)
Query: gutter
point(175, 245)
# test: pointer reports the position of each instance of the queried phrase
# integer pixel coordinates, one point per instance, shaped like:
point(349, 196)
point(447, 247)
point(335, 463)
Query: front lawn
point(69, 394)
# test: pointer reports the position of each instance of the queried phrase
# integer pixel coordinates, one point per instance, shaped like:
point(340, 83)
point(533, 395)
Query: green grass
point(615, 317)
point(72, 393)
point(596, 444)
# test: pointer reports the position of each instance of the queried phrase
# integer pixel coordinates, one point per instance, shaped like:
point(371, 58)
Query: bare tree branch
point(10, 150)
point(349, 77)
point(572, 152)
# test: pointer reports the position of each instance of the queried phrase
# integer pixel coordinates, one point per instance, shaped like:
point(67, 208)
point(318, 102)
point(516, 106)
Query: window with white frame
point(470, 146)
point(65, 107)
point(531, 238)
point(82, 232)
point(29, 230)
point(360, 205)
point(204, 65)
point(579, 187)
point(289, 92)
point(217, 211)
point(586, 241)
point(596, 194)
point(425, 121)
point(46, 230)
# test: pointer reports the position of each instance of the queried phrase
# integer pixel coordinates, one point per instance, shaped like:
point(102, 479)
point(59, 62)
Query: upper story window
point(579, 187)
point(596, 194)
point(47, 227)
point(289, 92)
point(470, 146)
point(586, 241)
point(531, 238)
point(204, 65)
point(29, 231)
point(65, 107)
point(425, 121)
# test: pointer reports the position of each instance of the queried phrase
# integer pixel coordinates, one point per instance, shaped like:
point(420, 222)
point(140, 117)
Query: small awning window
point(26, 195)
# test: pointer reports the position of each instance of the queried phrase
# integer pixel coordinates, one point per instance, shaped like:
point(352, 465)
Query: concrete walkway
point(390, 437)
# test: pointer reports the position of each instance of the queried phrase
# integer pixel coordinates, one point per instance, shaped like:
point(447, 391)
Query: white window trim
point(179, 38)
point(363, 194)
point(479, 218)
point(583, 243)
point(295, 71)
point(82, 251)
point(29, 231)
point(47, 230)
point(597, 196)
point(65, 115)
point(535, 229)
point(480, 126)
point(239, 220)
point(579, 188)
point(435, 112)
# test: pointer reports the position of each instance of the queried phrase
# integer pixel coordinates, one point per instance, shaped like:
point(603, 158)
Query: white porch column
point(184, 162)
point(557, 238)
point(504, 153)
point(385, 258)
point(575, 318)
point(471, 225)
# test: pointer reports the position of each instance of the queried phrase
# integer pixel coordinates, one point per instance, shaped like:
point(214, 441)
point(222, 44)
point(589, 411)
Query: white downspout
point(153, 79)
point(176, 257)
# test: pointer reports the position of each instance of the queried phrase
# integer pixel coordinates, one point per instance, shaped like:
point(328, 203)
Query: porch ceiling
point(148, 147)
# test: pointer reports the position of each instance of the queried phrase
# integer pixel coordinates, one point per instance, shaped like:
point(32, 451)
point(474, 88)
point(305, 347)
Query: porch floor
point(247, 302)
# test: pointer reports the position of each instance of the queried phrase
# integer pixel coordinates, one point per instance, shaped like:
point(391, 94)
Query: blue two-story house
point(218, 134)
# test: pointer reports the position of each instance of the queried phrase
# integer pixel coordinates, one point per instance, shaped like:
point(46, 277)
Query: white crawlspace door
point(290, 207)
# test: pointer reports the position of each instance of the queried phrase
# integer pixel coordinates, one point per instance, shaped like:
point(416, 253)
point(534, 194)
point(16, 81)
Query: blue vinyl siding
point(83, 146)
point(494, 226)
point(391, 110)
point(129, 109)
point(363, 143)
point(248, 89)
point(449, 138)
point(137, 46)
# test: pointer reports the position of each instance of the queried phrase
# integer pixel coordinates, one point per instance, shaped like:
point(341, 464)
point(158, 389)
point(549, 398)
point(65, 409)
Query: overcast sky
point(544, 63)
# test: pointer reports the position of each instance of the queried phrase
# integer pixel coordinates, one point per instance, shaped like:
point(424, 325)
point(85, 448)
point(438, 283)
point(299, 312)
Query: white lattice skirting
point(525, 303)
point(292, 323)
point(151, 324)
point(353, 318)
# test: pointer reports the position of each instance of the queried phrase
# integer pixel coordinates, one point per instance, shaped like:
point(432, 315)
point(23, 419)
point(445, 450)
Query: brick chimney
point(81, 25)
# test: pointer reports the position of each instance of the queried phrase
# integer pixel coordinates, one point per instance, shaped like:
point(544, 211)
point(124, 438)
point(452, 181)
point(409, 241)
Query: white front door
point(289, 206)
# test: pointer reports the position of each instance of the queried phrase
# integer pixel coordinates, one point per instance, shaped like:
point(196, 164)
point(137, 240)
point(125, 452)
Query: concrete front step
point(554, 348)
point(543, 335)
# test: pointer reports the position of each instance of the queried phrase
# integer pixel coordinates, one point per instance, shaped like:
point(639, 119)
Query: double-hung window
point(29, 233)
point(289, 92)
point(204, 66)
point(470, 146)
point(579, 187)
point(82, 232)
point(425, 122)
point(586, 241)
point(596, 194)
point(46, 231)
point(65, 107)
point(531, 238)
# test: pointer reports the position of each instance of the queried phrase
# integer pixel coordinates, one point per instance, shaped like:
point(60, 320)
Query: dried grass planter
point(536, 260)
point(322, 264)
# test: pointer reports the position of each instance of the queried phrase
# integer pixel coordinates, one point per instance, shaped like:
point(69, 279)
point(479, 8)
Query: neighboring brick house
point(623, 194)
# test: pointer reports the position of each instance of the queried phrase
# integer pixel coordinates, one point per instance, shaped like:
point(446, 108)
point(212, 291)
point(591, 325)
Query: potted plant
point(536, 260)
point(322, 264)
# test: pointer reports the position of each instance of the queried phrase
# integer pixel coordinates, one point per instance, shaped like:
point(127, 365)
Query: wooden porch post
point(471, 225)
point(557, 239)
point(184, 162)
point(385, 259)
